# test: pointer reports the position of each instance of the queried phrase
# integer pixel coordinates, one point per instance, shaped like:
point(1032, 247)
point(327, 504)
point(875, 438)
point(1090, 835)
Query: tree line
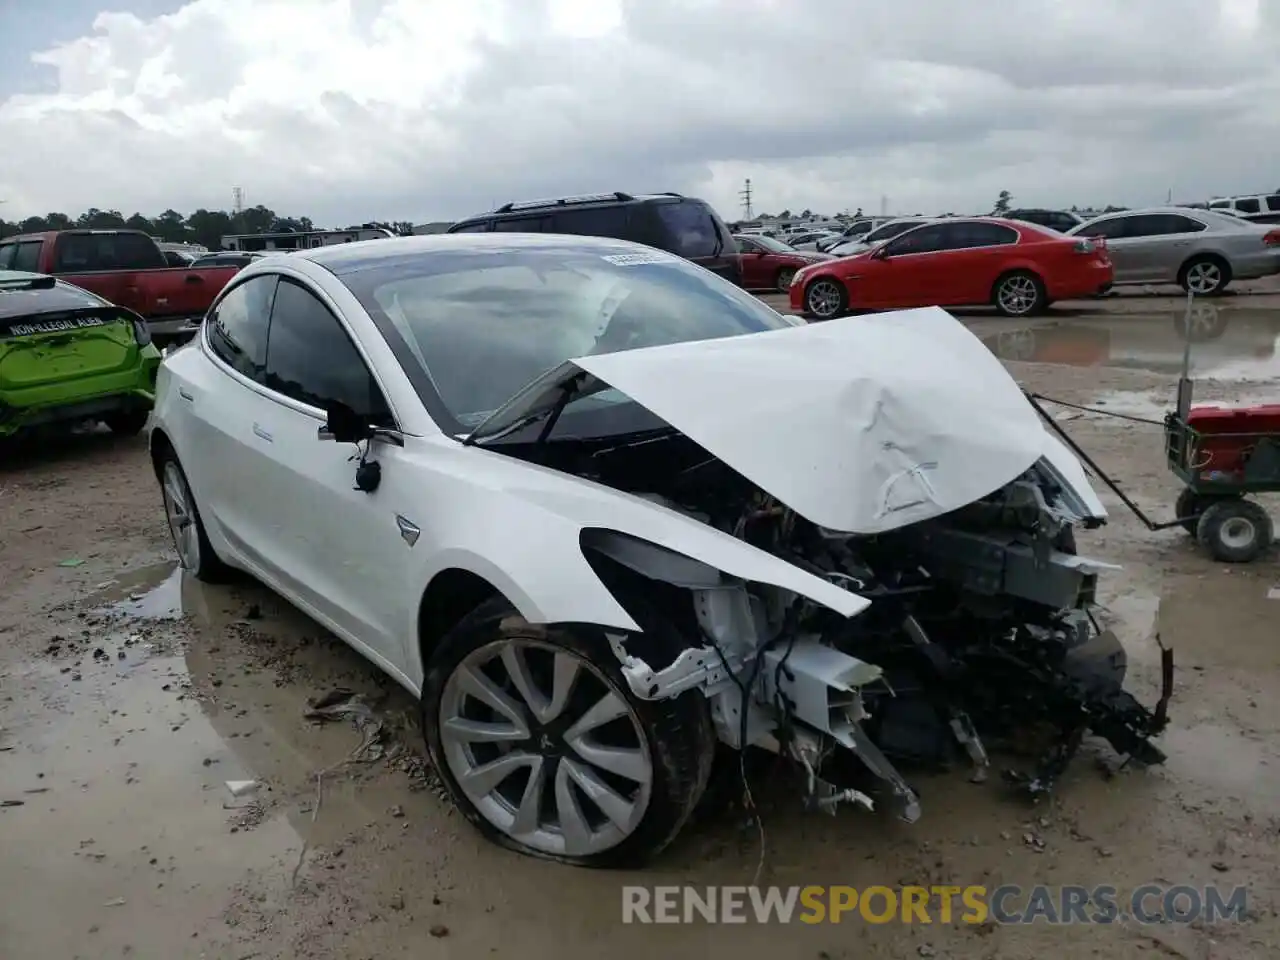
point(204, 227)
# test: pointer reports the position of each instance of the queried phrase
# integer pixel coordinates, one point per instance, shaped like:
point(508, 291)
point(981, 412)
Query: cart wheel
point(1193, 505)
point(1235, 531)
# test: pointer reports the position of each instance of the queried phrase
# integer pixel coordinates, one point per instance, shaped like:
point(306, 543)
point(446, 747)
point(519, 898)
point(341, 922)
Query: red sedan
point(769, 264)
point(1018, 267)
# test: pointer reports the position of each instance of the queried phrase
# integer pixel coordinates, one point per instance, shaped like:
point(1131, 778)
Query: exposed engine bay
point(980, 634)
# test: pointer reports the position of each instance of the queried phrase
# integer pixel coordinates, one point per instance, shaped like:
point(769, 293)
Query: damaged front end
point(928, 487)
point(980, 636)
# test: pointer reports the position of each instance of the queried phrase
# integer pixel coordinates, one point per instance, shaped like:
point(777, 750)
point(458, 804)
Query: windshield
point(776, 246)
point(476, 326)
point(890, 230)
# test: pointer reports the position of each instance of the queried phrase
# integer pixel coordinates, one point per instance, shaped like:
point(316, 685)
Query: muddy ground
point(130, 695)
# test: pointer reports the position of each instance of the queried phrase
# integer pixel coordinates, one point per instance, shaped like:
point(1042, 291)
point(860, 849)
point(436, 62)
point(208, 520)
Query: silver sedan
point(1200, 250)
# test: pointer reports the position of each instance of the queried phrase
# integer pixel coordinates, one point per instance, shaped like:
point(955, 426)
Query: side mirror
point(345, 425)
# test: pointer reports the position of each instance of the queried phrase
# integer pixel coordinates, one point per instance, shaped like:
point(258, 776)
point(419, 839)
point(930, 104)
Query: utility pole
point(884, 205)
point(237, 199)
point(745, 195)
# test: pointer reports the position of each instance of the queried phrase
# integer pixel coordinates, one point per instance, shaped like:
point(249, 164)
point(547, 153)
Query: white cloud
point(416, 109)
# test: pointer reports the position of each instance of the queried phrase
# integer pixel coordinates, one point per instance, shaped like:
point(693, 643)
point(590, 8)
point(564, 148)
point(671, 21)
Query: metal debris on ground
point(343, 704)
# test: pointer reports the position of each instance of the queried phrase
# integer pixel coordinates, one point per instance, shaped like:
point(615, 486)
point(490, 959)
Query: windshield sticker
point(53, 326)
point(635, 259)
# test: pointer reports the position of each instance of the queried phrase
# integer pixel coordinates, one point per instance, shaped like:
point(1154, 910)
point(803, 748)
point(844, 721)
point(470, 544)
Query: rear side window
point(521, 225)
point(1273, 203)
point(689, 229)
point(105, 251)
point(593, 222)
point(26, 256)
point(1220, 205)
point(311, 359)
point(7, 250)
point(480, 226)
point(238, 326)
point(961, 235)
point(1249, 205)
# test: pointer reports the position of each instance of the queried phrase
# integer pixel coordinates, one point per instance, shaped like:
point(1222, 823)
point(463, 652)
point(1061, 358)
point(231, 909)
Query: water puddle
point(1227, 343)
point(148, 593)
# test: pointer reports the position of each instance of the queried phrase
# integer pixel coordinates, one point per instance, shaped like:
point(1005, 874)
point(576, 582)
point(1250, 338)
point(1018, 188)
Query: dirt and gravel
point(130, 696)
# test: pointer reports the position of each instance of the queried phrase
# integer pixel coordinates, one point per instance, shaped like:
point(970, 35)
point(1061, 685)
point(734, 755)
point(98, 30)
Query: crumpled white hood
point(861, 425)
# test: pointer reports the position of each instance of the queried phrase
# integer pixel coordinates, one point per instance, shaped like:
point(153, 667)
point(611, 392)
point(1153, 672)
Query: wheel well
point(1217, 258)
point(449, 597)
point(161, 447)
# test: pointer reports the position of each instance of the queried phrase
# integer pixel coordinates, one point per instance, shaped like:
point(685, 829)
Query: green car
point(67, 355)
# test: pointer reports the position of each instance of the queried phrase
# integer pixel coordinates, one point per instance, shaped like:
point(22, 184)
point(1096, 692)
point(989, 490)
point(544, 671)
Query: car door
point(222, 460)
point(752, 260)
point(976, 254)
point(908, 273)
point(337, 547)
point(1154, 246)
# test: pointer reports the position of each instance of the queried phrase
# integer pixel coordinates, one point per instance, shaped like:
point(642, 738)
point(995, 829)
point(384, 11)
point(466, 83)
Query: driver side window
point(311, 358)
point(237, 326)
point(924, 240)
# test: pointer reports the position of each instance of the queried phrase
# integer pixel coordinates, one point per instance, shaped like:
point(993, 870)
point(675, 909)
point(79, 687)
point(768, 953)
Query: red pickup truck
point(125, 267)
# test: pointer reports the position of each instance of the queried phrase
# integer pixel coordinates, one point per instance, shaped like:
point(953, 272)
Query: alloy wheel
point(180, 511)
point(545, 747)
point(824, 299)
point(1204, 277)
point(1018, 295)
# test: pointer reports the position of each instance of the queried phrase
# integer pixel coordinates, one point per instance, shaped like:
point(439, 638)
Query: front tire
point(541, 744)
point(826, 298)
point(1019, 294)
point(195, 553)
point(1235, 530)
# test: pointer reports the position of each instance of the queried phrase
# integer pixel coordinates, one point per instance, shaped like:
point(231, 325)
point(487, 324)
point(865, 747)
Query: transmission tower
point(745, 194)
point(237, 199)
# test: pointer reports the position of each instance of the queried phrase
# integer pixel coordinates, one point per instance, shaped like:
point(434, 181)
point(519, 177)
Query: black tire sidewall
point(126, 424)
point(678, 731)
point(787, 274)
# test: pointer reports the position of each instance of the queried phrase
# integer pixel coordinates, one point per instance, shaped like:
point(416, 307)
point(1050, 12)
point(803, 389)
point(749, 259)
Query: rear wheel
point(1235, 531)
point(544, 748)
point(1019, 294)
point(127, 423)
point(195, 553)
point(1204, 276)
point(826, 299)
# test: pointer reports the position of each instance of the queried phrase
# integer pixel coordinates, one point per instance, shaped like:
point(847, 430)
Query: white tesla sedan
point(600, 509)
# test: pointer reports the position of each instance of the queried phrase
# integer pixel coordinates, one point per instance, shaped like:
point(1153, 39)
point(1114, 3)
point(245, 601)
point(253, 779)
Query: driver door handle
point(259, 432)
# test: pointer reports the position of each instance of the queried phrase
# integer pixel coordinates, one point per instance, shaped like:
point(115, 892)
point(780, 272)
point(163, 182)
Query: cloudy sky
point(347, 110)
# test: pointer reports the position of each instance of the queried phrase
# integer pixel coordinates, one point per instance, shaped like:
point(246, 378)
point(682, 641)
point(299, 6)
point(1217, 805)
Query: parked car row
point(1021, 267)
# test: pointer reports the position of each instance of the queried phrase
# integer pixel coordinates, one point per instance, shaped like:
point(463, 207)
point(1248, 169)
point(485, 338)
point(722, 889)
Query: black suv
point(1060, 220)
point(685, 226)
